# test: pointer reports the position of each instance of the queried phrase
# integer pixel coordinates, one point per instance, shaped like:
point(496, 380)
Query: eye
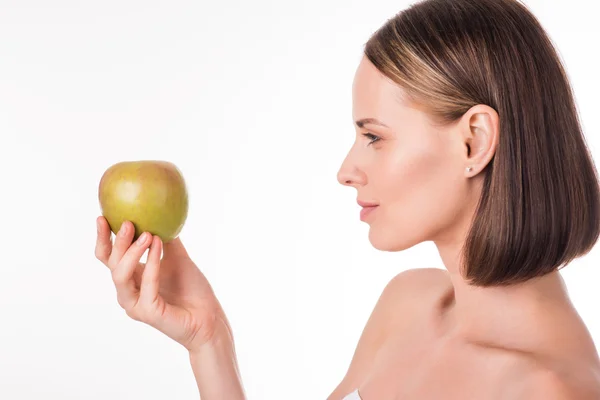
point(372, 137)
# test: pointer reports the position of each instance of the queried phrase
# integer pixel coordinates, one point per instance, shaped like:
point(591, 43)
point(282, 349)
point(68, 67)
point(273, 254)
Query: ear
point(480, 129)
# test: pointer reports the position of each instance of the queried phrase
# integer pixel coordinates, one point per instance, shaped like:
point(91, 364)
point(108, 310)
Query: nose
point(349, 175)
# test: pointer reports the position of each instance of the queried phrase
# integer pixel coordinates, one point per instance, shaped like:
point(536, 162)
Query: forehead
point(373, 94)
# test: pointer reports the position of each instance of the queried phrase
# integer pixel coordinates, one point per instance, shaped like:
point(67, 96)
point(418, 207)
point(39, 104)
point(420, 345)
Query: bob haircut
point(539, 207)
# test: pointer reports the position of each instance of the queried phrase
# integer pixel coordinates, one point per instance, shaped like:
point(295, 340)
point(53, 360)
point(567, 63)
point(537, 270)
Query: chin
point(384, 240)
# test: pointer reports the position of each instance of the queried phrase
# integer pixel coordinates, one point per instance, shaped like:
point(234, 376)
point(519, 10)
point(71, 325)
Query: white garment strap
point(353, 396)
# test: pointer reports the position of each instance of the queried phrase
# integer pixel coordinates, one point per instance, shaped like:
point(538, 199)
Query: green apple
point(151, 194)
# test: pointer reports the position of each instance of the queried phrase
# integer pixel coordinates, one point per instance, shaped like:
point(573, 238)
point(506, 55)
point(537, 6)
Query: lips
point(366, 212)
point(366, 204)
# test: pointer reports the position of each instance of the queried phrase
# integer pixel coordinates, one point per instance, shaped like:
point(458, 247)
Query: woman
point(467, 136)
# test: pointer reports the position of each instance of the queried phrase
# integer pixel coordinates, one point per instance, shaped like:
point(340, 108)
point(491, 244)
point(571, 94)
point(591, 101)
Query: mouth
point(366, 212)
point(366, 204)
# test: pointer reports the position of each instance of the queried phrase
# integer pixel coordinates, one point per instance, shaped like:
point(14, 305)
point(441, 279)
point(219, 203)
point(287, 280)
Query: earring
point(469, 169)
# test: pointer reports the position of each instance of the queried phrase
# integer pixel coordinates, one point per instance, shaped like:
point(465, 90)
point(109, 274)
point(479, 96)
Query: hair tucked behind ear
point(540, 204)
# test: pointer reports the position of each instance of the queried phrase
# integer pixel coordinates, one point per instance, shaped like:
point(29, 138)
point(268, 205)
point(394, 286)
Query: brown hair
point(540, 204)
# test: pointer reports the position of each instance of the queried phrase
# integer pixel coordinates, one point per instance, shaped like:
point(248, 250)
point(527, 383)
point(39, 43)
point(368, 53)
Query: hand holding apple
point(145, 204)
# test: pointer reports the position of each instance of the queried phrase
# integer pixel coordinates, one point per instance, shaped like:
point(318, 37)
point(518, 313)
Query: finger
point(150, 278)
point(103, 240)
point(127, 293)
point(122, 243)
point(174, 249)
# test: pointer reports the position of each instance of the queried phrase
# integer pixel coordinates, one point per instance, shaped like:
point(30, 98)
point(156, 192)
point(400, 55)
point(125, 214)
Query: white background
point(252, 101)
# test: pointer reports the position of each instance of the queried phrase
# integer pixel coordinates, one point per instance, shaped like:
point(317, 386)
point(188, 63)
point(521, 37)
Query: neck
point(501, 316)
point(497, 316)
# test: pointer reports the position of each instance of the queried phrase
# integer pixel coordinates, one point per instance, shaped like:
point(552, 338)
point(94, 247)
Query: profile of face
point(413, 170)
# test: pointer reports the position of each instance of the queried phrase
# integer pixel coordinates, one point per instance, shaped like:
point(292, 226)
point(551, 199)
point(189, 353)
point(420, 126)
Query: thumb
point(174, 249)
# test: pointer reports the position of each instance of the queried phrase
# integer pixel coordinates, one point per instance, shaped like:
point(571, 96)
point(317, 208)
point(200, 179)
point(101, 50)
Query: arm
point(186, 309)
point(215, 366)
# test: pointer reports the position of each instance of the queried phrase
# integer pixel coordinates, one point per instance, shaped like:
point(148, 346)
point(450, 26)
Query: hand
point(171, 294)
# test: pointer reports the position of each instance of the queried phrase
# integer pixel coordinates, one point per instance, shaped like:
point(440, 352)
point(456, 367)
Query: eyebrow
point(373, 121)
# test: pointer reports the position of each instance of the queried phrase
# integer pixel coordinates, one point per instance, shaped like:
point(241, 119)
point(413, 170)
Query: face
point(414, 171)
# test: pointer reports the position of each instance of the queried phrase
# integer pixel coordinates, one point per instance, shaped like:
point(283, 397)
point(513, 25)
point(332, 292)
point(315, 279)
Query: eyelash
point(372, 137)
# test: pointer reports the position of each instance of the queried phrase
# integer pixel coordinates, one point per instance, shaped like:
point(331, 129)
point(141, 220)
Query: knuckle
point(120, 239)
point(147, 311)
point(120, 246)
point(118, 277)
point(99, 253)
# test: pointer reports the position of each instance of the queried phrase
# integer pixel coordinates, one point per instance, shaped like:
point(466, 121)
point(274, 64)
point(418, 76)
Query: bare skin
point(432, 335)
point(411, 348)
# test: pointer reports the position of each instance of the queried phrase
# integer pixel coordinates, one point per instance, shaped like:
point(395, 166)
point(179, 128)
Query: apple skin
point(152, 194)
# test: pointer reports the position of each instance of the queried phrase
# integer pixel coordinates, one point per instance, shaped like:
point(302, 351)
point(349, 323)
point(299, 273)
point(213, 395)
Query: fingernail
point(98, 226)
point(123, 229)
point(142, 239)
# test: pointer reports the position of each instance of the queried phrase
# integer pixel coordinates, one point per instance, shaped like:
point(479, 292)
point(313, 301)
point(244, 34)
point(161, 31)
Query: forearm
point(216, 369)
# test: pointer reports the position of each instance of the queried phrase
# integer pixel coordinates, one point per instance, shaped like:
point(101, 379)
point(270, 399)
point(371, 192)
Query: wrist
point(218, 335)
point(215, 366)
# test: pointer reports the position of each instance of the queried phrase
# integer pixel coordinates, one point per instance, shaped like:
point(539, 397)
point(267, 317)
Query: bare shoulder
point(403, 297)
point(551, 385)
point(417, 279)
point(413, 291)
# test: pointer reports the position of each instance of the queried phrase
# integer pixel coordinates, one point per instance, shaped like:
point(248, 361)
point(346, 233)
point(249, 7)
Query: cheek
point(414, 175)
point(420, 195)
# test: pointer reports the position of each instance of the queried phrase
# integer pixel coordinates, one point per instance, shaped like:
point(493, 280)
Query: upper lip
point(366, 204)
